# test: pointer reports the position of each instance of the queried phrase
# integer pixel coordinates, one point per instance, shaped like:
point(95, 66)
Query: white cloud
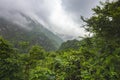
point(51, 13)
point(65, 24)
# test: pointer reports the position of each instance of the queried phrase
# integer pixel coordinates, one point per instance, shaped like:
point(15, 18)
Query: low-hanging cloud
point(59, 16)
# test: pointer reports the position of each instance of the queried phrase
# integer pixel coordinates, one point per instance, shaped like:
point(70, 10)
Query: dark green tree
point(105, 26)
point(9, 62)
point(105, 22)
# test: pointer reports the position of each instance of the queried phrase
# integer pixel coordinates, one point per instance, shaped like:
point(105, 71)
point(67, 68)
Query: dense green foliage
point(92, 58)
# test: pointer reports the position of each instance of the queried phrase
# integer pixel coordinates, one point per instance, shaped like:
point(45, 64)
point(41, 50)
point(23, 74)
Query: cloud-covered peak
point(60, 16)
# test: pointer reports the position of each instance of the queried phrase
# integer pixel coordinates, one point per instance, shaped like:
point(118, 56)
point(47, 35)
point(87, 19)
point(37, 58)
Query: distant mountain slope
point(35, 34)
point(71, 44)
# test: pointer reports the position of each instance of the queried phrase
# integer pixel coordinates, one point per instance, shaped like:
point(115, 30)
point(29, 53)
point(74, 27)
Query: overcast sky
point(60, 16)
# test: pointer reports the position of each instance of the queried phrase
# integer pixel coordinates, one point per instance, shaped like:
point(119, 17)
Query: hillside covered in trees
point(29, 34)
point(92, 58)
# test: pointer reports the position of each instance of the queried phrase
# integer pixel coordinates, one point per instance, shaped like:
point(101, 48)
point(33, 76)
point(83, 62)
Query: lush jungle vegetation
point(92, 58)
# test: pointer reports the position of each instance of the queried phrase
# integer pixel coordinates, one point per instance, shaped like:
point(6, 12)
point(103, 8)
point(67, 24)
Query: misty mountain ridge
point(24, 28)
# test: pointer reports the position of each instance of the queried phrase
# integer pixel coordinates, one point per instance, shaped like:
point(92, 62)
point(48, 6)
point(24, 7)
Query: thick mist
point(62, 17)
